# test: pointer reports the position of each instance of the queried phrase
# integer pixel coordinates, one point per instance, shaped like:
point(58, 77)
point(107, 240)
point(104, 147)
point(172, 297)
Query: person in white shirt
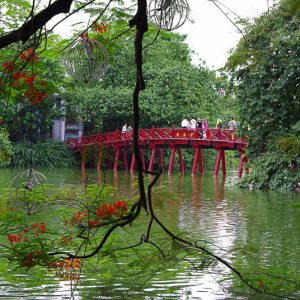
point(124, 131)
point(232, 124)
point(193, 123)
point(185, 123)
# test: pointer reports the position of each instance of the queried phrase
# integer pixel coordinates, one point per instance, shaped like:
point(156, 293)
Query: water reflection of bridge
point(157, 139)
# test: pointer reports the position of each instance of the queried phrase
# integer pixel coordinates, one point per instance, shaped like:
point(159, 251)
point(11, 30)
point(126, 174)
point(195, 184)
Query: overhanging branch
point(35, 23)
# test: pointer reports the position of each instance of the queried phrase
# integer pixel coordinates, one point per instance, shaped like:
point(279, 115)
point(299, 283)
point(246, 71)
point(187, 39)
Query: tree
point(265, 65)
point(175, 88)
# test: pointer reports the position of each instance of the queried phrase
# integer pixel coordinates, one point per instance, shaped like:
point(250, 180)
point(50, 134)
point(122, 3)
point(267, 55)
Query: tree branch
point(35, 23)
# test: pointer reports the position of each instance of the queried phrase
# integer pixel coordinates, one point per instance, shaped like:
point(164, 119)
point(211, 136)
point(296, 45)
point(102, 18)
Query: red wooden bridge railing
point(175, 139)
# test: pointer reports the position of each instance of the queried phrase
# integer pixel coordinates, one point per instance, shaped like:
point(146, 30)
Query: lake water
point(257, 231)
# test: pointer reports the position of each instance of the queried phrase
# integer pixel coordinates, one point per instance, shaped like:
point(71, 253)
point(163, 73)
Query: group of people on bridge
point(203, 125)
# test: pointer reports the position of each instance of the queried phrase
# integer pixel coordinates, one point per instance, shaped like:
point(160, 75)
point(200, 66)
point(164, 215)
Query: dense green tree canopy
point(174, 87)
point(266, 67)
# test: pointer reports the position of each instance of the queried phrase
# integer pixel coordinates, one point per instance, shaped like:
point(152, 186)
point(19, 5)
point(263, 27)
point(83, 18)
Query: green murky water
point(257, 231)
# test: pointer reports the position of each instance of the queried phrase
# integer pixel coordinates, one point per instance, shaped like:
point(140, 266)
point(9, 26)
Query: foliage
point(265, 65)
point(175, 88)
point(30, 239)
point(28, 77)
point(278, 168)
point(5, 148)
point(49, 154)
point(13, 13)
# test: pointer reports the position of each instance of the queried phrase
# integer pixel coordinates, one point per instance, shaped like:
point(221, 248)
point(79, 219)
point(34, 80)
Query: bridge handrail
point(160, 134)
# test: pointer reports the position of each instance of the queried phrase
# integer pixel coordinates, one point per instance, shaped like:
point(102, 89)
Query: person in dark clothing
point(200, 128)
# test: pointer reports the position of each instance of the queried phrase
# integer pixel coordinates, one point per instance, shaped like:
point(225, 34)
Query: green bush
point(5, 148)
point(49, 154)
point(278, 168)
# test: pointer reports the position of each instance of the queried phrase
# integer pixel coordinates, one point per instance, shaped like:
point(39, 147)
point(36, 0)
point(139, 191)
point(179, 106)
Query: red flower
point(8, 66)
point(14, 238)
point(30, 55)
point(23, 74)
point(121, 204)
point(91, 223)
point(23, 56)
point(28, 260)
point(84, 35)
point(39, 228)
point(16, 75)
point(15, 83)
point(29, 80)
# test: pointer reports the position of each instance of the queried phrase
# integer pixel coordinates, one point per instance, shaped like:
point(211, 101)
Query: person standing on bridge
point(185, 123)
point(219, 124)
point(200, 128)
point(193, 123)
point(204, 126)
point(232, 124)
point(124, 130)
point(129, 129)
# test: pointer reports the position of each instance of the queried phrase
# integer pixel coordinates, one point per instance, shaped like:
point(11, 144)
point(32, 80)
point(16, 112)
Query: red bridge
point(157, 139)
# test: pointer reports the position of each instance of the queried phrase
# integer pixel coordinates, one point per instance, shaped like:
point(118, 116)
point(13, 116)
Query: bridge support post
point(133, 161)
point(243, 161)
point(117, 158)
point(151, 163)
point(152, 159)
point(171, 163)
point(220, 156)
point(198, 159)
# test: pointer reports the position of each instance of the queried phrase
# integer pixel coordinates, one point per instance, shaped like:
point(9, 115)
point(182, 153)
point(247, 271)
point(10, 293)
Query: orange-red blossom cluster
point(36, 229)
point(105, 211)
point(66, 269)
point(100, 27)
point(34, 94)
